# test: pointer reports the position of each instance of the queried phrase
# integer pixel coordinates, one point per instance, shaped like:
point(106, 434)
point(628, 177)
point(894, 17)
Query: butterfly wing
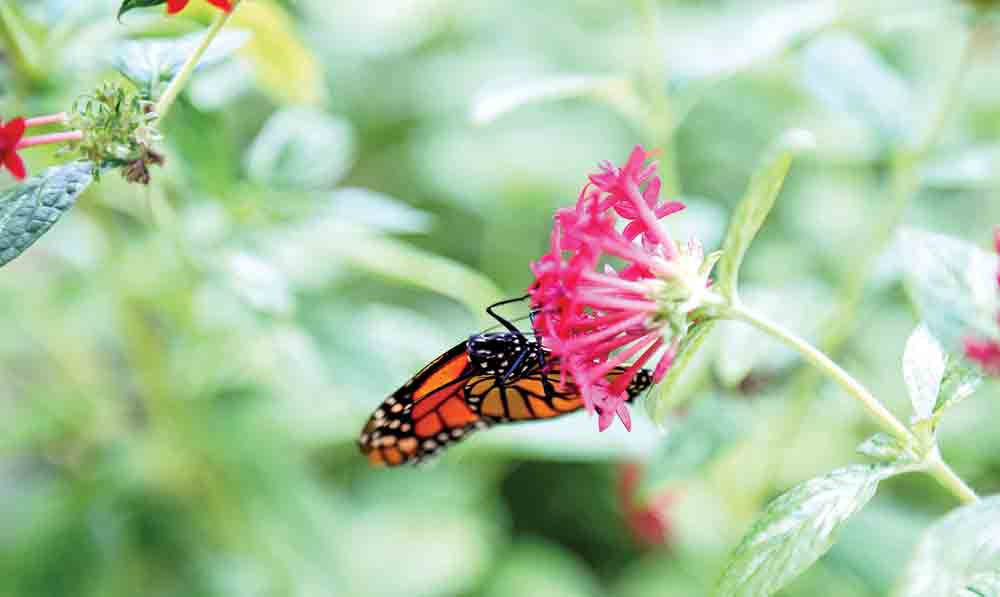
point(426, 414)
point(537, 395)
point(451, 398)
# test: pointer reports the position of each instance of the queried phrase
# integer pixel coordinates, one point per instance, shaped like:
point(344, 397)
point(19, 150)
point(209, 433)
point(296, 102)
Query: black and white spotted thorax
point(504, 354)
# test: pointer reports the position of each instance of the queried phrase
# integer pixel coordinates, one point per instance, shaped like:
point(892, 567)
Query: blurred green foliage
point(184, 367)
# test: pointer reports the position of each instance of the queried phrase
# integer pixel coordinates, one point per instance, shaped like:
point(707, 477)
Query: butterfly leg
point(504, 322)
point(517, 363)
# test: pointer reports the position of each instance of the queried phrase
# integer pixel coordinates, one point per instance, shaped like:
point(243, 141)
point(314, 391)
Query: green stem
point(178, 83)
point(932, 464)
point(904, 183)
point(939, 469)
point(823, 363)
point(660, 121)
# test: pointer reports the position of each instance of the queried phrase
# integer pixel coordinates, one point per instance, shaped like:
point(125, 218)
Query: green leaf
point(765, 184)
point(953, 284)
point(128, 5)
point(924, 364)
point(491, 104)
point(887, 448)
point(671, 392)
point(796, 529)
point(712, 426)
point(23, 41)
point(975, 168)
point(301, 148)
point(959, 555)
point(152, 64)
point(849, 78)
point(313, 253)
point(960, 381)
point(28, 210)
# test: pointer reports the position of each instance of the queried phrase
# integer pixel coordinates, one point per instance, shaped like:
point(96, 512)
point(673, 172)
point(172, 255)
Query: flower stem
point(187, 69)
point(50, 139)
point(933, 464)
point(822, 362)
point(944, 475)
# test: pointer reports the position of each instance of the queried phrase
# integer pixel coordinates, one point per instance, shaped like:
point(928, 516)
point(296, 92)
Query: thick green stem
point(823, 363)
point(179, 81)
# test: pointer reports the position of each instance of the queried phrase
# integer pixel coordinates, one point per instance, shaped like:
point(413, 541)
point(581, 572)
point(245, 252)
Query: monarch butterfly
point(493, 377)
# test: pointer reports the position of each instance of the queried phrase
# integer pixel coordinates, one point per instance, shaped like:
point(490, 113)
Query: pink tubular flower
point(175, 6)
point(986, 352)
point(595, 318)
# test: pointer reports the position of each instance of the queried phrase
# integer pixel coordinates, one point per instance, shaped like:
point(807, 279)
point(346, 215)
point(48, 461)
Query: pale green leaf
point(714, 44)
point(697, 439)
point(302, 148)
point(975, 168)
point(959, 555)
point(986, 584)
point(497, 101)
point(316, 252)
point(886, 448)
point(796, 529)
point(152, 64)
point(953, 284)
point(765, 184)
point(28, 210)
point(960, 381)
point(848, 77)
point(923, 368)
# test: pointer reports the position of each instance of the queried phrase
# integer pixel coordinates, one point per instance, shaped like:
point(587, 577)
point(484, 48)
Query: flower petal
point(15, 164)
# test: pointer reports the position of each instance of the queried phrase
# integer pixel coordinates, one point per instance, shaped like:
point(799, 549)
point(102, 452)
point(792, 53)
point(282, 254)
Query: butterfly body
point(490, 378)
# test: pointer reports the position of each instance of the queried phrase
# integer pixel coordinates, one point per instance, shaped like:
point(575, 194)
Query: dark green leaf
point(796, 529)
point(959, 555)
point(765, 184)
point(128, 5)
point(28, 210)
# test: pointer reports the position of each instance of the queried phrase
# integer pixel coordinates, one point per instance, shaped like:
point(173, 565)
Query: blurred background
point(185, 367)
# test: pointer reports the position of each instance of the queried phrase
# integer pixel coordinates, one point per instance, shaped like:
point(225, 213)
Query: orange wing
point(424, 415)
point(449, 399)
point(536, 396)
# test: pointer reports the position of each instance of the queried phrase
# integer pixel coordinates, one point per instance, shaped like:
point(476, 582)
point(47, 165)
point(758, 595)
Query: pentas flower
point(11, 134)
point(595, 317)
point(175, 6)
point(986, 351)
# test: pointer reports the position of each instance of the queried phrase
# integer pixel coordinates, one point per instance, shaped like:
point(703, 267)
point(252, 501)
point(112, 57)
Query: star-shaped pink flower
point(10, 135)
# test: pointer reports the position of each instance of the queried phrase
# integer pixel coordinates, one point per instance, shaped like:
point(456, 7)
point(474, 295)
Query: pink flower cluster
point(986, 351)
point(593, 317)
